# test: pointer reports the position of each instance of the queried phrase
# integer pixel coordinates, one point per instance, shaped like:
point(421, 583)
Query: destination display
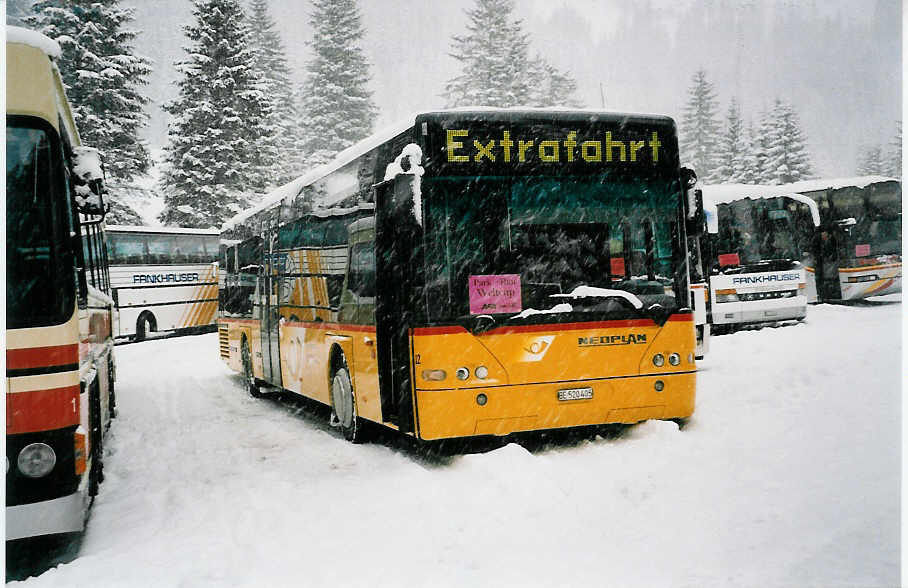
point(571, 143)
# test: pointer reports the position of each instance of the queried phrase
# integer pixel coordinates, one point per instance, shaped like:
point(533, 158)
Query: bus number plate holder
point(575, 394)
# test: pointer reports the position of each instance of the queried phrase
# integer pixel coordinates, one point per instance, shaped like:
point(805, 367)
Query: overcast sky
point(837, 61)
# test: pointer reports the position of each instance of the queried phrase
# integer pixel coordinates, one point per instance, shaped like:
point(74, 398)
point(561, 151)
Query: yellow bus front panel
point(552, 376)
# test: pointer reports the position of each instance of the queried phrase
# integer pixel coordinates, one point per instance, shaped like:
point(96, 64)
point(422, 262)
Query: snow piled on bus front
point(34, 39)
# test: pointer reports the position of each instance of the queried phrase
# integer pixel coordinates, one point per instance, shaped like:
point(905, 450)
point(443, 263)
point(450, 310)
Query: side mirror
point(693, 202)
point(90, 187)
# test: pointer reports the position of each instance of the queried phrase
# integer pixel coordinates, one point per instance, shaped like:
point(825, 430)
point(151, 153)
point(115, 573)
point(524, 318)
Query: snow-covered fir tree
point(761, 139)
point(872, 162)
point(270, 60)
point(495, 64)
point(787, 159)
point(700, 127)
point(337, 107)
point(746, 168)
point(103, 78)
point(551, 86)
point(730, 151)
point(219, 152)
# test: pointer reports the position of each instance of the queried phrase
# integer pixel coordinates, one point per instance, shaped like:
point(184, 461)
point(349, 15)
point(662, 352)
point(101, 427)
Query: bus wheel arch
point(343, 398)
point(146, 323)
point(249, 381)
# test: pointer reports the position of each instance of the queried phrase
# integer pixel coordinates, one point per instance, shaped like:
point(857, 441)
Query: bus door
point(397, 263)
point(270, 325)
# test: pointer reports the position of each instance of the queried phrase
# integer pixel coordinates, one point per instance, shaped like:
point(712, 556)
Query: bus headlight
point(36, 460)
point(674, 359)
point(658, 360)
point(462, 373)
point(482, 372)
point(434, 375)
point(726, 295)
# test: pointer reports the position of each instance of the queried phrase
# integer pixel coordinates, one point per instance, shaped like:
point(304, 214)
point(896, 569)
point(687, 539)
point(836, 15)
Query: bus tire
point(343, 406)
point(249, 381)
point(96, 472)
point(144, 325)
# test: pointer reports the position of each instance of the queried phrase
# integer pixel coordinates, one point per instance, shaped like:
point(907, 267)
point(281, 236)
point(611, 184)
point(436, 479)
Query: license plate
point(575, 394)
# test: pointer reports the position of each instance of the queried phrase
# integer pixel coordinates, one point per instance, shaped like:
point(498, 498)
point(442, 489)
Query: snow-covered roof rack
point(33, 39)
point(716, 194)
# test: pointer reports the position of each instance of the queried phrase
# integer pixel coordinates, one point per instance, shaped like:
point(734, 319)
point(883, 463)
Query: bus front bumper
point(759, 311)
point(60, 515)
point(510, 409)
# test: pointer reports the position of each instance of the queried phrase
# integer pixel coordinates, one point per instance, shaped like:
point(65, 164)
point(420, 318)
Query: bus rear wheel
point(343, 407)
point(249, 382)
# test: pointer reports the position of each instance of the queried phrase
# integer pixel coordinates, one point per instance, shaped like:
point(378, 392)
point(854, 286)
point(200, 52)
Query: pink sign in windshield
point(495, 294)
point(862, 250)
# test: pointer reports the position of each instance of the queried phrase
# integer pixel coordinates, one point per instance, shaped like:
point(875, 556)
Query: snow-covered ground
point(787, 475)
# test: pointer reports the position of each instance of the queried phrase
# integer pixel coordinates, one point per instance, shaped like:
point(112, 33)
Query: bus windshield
point(577, 244)
point(40, 290)
point(756, 234)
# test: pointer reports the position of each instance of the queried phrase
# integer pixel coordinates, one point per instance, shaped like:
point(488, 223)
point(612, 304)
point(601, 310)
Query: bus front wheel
point(343, 413)
point(144, 325)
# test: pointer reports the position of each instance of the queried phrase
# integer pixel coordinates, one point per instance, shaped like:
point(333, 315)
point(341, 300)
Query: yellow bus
point(474, 272)
point(59, 347)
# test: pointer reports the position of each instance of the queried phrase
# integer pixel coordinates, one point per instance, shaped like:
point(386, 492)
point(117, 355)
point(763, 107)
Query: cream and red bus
point(474, 272)
point(859, 243)
point(757, 259)
point(59, 347)
point(163, 278)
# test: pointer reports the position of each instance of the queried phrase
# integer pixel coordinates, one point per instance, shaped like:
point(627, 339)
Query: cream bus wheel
point(344, 406)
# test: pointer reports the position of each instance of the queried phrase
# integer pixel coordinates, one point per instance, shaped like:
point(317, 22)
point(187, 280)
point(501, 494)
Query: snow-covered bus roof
point(835, 183)
point(160, 230)
point(33, 39)
point(292, 188)
point(716, 194)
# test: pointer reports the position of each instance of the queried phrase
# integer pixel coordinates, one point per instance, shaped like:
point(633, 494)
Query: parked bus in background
point(474, 273)
point(163, 278)
point(757, 259)
point(859, 245)
point(59, 347)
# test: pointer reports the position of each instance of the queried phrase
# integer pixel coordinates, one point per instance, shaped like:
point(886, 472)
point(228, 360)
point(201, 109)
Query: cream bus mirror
point(89, 178)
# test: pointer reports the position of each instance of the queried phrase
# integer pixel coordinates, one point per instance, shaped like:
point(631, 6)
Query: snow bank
point(591, 291)
point(563, 307)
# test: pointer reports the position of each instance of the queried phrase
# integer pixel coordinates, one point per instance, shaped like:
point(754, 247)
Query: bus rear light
point(36, 460)
point(80, 452)
point(434, 375)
